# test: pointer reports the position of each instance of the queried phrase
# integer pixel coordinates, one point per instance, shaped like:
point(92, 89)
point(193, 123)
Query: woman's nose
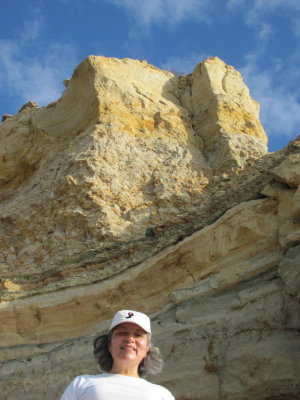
point(129, 338)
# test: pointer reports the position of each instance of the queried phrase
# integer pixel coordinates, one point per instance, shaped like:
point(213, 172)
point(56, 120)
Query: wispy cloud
point(275, 83)
point(39, 77)
point(280, 102)
point(167, 12)
point(32, 26)
point(257, 13)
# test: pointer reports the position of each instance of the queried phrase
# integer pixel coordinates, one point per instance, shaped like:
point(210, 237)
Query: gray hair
point(152, 364)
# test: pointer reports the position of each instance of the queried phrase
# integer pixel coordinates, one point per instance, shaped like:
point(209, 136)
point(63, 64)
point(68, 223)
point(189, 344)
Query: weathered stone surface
point(145, 190)
point(6, 116)
point(235, 248)
point(239, 344)
point(29, 104)
point(289, 269)
point(288, 171)
point(226, 117)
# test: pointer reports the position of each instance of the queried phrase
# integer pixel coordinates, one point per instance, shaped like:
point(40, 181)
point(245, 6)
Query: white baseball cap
point(134, 317)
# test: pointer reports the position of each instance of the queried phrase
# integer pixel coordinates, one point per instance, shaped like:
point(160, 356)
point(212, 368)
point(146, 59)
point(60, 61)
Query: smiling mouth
point(128, 348)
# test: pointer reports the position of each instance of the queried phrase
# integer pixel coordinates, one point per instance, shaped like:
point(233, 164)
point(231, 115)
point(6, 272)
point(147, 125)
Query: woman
point(126, 355)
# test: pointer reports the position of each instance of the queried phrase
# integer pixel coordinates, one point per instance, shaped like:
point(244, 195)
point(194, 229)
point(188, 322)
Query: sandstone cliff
point(146, 190)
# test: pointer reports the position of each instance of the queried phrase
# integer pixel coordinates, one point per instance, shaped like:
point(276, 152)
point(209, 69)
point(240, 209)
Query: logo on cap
point(130, 314)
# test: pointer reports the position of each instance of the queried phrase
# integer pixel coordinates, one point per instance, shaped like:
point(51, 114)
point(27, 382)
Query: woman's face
point(129, 345)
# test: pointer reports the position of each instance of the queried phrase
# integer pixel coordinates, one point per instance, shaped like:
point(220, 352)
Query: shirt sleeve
point(166, 394)
point(170, 397)
point(71, 391)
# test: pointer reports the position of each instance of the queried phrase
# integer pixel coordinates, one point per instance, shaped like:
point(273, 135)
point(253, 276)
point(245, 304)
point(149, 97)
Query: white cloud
point(265, 6)
point(278, 95)
point(276, 85)
point(256, 13)
point(183, 65)
point(168, 12)
point(265, 31)
point(32, 26)
point(39, 77)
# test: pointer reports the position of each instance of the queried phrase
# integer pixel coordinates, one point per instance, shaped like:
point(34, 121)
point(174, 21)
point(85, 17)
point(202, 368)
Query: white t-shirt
point(114, 387)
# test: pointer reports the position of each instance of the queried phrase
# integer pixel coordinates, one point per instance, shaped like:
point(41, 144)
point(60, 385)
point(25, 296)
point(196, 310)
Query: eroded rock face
point(145, 190)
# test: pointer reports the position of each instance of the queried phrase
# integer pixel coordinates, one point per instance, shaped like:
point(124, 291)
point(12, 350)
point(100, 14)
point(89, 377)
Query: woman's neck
point(125, 371)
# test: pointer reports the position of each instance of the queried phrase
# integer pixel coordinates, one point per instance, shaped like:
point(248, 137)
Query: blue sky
point(42, 41)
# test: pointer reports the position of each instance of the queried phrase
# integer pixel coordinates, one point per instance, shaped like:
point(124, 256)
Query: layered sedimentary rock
point(151, 191)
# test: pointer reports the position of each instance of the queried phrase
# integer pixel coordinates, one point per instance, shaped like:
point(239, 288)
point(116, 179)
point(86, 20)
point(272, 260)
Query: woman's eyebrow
point(140, 331)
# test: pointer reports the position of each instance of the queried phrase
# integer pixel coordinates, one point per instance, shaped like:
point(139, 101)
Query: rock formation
point(151, 191)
